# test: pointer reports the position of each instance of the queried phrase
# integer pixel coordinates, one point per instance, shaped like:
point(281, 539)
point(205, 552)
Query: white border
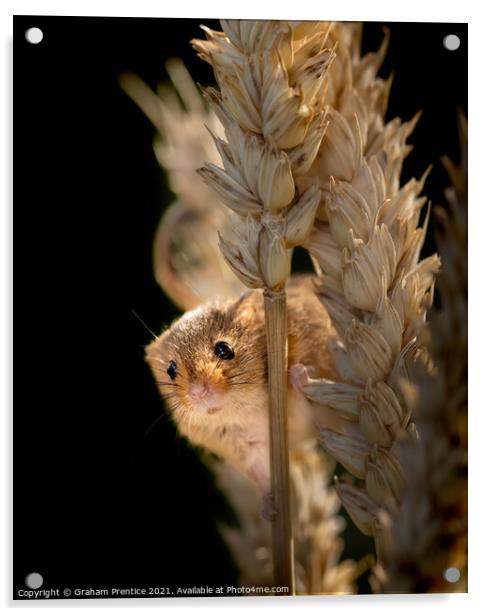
point(410, 10)
point(355, 10)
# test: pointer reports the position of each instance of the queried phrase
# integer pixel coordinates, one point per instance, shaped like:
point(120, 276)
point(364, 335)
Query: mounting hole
point(34, 35)
point(34, 580)
point(452, 575)
point(452, 42)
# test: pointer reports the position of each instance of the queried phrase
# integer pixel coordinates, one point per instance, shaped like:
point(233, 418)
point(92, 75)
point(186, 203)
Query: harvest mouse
point(211, 369)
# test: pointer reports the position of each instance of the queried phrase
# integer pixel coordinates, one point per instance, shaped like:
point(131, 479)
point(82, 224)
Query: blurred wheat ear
point(316, 527)
point(188, 264)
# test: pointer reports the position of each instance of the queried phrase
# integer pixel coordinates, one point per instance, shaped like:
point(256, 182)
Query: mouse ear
point(248, 307)
point(248, 314)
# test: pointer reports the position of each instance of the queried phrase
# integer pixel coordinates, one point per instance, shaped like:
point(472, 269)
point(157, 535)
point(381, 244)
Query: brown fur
point(238, 430)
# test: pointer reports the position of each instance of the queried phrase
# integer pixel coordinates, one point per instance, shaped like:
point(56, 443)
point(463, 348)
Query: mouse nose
point(198, 391)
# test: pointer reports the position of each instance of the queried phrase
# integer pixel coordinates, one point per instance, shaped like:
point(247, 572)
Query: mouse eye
point(224, 351)
point(172, 370)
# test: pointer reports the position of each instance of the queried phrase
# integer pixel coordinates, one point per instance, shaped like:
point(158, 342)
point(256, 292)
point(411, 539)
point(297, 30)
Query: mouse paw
point(298, 376)
point(269, 511)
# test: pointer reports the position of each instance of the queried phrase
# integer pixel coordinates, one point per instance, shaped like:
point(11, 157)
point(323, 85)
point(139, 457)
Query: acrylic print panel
point(143, 461)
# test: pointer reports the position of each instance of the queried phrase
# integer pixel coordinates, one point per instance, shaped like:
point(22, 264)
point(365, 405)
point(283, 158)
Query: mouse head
point(212, 359)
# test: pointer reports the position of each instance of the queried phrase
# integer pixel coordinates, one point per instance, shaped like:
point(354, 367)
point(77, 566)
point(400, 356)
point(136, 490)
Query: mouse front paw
point(269, 511)
point(298, 376)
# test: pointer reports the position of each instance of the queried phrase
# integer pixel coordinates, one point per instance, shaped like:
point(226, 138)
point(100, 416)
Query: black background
point(100, 499)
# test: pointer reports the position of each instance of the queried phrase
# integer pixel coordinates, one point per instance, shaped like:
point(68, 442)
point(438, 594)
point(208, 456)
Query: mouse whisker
point(239, 375)
point(187, 417)
point(164, 384)
point(153, 425)
point(144, 324)
point(170, 395)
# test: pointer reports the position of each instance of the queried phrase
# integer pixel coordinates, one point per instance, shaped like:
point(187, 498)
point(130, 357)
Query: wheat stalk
point(272, 80)
point(367, 242)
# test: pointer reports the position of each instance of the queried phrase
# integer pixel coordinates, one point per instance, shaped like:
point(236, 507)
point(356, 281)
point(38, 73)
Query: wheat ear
point(427, 540)
point(272, 80)
point(367, 242)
